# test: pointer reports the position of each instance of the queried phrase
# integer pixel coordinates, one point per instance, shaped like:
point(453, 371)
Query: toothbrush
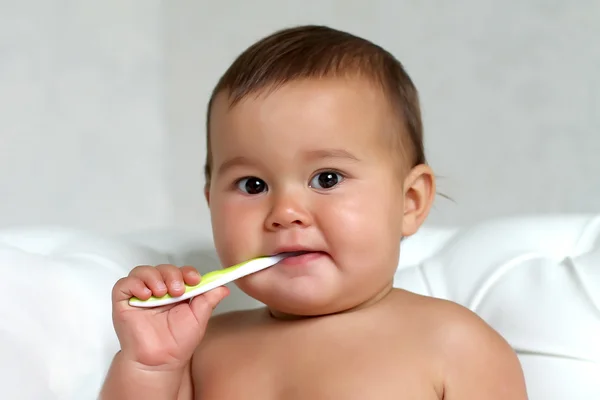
point(212, 280)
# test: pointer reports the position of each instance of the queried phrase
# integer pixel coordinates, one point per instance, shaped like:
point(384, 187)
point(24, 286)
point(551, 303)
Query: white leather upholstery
point(535, 279)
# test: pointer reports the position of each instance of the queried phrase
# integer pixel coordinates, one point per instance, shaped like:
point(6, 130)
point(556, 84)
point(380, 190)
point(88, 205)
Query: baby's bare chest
point(327, 369)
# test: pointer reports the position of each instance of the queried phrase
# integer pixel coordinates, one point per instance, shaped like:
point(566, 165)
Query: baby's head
point(315, 142)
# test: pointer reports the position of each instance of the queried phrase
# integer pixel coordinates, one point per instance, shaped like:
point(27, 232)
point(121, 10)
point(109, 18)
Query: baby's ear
point(207, 193)
point(419, 193)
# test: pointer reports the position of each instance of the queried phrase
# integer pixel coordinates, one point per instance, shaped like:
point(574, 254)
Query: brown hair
point(313, 51)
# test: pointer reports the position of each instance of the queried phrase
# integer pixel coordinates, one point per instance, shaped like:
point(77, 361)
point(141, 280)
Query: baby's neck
point(374, 300)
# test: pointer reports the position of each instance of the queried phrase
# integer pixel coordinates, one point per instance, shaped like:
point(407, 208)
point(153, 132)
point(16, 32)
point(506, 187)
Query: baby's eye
point(252, 185)
point(326, 180)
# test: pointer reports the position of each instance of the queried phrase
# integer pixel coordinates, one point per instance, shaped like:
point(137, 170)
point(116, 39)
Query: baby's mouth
point(296, 253)
point(302, 257)
point(292, 252)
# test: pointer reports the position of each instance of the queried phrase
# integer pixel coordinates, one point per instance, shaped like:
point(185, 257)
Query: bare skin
point(404, 347)
point(309, 167)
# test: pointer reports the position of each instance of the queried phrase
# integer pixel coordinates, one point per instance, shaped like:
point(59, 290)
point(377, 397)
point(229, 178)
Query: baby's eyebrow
point(330, 153)
point(233, 162)
point(309, 155)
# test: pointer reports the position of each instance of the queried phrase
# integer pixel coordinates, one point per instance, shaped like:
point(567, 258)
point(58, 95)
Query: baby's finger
point(128, 287)
point(190, 275)
point(173, 277)
point(152, 278)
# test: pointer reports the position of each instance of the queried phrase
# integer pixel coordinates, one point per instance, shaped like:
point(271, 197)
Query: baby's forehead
point(318, 110)
point(326, 101)
point(303, 137)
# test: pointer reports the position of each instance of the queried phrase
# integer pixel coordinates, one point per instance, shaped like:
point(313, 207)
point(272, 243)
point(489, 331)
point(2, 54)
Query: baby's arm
point(127, 381)
point(480, 363)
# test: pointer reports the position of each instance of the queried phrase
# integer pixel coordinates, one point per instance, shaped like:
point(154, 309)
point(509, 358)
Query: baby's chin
point(298, 301)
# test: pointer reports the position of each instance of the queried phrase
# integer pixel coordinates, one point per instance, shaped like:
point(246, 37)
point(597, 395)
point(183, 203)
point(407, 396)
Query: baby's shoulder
point(465, 347)
point(443, 322)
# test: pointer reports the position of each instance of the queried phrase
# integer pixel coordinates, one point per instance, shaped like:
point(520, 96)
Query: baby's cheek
point(233, 233)
point(353, 224)
point(365, 230)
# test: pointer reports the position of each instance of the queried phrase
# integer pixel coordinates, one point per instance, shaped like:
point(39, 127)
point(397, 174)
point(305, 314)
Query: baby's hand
point(161, 338)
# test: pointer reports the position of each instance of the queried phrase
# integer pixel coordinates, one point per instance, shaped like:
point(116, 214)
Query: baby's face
point(308, 167)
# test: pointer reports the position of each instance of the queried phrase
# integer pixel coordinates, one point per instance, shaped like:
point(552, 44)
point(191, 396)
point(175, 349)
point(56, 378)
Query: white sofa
point(536, 279)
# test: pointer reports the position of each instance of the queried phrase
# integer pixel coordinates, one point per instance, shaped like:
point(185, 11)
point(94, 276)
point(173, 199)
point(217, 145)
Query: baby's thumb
point(203, 305)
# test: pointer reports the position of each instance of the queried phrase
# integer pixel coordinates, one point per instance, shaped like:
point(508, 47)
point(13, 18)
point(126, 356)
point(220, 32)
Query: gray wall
point(82, 121)
point(102, 103)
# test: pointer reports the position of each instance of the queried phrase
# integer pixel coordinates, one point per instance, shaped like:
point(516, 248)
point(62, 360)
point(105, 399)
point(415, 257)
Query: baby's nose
point(288, 213)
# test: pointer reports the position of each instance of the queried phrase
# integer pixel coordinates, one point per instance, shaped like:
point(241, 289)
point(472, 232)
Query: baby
point(315, 143)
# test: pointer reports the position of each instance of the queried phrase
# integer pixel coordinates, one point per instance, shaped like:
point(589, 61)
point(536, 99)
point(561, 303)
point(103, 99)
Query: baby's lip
point(299, 249)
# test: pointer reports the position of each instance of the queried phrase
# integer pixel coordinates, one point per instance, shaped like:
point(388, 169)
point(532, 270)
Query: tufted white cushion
point(56, 337)
point(535, 279)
